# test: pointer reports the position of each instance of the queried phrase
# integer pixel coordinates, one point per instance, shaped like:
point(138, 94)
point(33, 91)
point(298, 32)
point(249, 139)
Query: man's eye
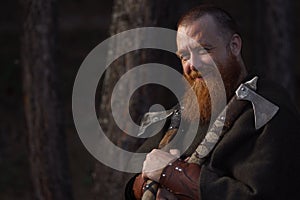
point(203, 51)
point(184, 57)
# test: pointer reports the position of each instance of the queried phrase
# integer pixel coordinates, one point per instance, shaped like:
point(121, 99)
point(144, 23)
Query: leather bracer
point(182, 179)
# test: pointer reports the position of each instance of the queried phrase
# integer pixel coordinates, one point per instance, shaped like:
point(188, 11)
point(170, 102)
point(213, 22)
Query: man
point(246, 163)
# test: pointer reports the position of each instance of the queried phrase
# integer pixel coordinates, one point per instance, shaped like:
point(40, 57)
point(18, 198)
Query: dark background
point(83, 24)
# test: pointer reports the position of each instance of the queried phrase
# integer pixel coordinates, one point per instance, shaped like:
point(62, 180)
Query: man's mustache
point(204, 72)
point(195, 74)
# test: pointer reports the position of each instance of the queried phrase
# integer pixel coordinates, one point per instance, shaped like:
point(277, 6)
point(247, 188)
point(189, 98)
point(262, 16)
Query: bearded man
point(246, 163)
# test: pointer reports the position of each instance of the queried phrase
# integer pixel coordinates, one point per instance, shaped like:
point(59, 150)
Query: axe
point(264, 111)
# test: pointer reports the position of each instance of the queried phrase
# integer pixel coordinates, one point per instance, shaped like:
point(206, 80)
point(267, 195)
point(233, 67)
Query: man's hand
point(156, 161)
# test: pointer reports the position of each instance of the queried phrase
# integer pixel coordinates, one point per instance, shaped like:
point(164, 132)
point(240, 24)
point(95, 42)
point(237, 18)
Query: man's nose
point(193, 64)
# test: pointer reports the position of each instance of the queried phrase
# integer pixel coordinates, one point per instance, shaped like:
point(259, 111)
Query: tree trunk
point(128, 14)
point(42, 106)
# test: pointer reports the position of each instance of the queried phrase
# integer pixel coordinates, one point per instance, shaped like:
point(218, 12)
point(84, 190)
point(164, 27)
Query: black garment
point(256, 164)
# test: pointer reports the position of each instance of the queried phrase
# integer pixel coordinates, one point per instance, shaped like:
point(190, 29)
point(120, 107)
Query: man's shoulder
point(279, 96)
point(284, 122)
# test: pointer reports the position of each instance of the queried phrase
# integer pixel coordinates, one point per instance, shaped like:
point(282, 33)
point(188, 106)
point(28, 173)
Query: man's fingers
point(156, 161)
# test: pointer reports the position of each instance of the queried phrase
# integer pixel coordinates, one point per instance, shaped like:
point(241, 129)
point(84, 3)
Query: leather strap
point(182, 179)
point(138, 186)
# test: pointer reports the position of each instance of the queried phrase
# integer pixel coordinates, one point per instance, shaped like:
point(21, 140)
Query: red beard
point(202, 100)
point(229, 72)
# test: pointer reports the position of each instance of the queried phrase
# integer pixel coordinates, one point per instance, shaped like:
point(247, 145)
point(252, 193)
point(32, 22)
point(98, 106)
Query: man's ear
point(235, 44)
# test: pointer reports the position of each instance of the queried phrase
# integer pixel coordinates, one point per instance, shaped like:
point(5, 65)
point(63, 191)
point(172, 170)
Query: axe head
point(264, 110)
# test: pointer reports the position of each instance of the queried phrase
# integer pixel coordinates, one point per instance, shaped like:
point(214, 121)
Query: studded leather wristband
point(182, 179)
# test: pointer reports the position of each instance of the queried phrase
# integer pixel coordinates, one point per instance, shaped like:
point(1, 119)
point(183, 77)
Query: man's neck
point(242, 75)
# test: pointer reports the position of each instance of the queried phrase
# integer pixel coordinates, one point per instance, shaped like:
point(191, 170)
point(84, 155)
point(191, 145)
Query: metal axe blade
point(264, 110)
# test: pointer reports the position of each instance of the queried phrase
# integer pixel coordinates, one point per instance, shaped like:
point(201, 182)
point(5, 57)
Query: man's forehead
point(186, 42)
point(202, 31)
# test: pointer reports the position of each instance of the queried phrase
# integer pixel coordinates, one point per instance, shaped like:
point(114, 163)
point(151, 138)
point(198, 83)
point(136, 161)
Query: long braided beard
point(201, 103)
point(204, 95)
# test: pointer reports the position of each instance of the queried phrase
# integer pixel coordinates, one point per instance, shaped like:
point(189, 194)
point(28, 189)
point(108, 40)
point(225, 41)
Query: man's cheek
point(207, 60)
point(208, 65)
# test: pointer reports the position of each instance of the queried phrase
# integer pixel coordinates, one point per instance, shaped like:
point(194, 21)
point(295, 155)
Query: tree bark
point(42, 106)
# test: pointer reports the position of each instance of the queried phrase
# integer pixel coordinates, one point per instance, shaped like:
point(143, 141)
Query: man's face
point(206, 48)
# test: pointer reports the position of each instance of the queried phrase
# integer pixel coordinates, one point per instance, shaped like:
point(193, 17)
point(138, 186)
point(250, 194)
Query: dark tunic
point(255, 164)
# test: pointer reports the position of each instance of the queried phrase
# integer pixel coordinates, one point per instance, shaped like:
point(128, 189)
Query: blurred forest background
point(42, 45)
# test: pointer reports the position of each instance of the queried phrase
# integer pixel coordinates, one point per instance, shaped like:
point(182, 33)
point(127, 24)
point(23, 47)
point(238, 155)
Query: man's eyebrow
point(180, 52)
point(204, 44)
